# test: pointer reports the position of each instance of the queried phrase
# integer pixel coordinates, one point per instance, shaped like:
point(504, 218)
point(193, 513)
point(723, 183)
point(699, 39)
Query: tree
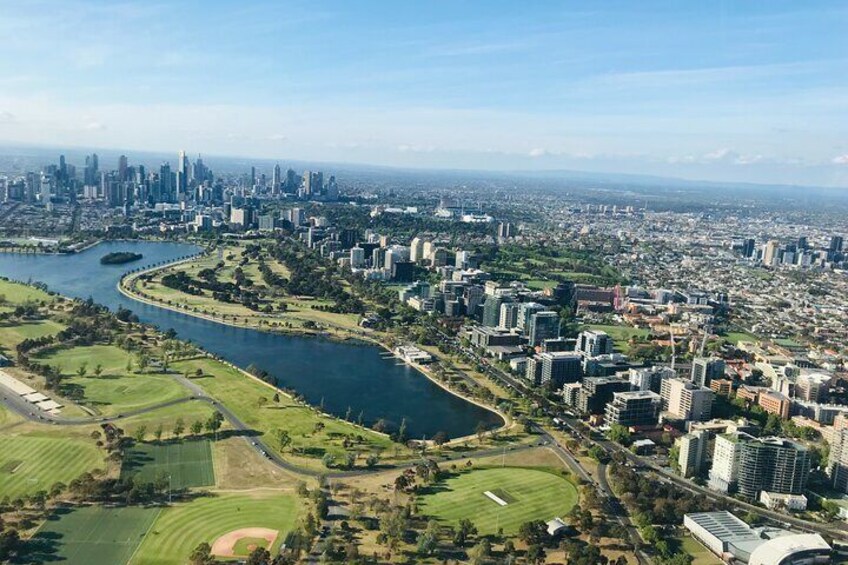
point(202, 555)
point(259, 556)
point(98, 370)
point(196, 427)
point(533, 532)
point(83, 369)
point(480, 430)
point(464, 530)
point(401, 434)
point(480, 552)
point(283, 439)
point(536, 554)
point(440, 438)
point(179, 427)
point(140, 432)
point(619, 434)
point(158, 432)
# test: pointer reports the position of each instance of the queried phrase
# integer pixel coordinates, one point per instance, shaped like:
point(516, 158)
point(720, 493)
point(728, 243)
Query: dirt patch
point(225, 546)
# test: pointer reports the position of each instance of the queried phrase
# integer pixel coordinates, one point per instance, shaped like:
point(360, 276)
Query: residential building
point(705, 369)
point(774, 465)
point(692, 452)
point(592, 343)
point(683, 400)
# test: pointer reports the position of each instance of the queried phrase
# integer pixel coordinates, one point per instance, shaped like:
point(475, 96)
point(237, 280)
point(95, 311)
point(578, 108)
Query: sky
point(753, 91)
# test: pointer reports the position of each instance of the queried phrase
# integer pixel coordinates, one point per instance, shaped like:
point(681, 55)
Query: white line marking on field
point(496, 498)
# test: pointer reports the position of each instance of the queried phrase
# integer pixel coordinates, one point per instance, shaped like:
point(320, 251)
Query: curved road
point(30, 412)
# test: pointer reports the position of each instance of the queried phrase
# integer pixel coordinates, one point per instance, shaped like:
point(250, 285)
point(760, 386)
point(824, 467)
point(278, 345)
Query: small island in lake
point(119, 258)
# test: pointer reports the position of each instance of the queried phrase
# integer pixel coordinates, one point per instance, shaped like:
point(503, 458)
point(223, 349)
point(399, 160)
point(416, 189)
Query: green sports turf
point(532, 495)
point(188, 462)
point(181, 527)
point(29, 463)
point(244, 546)
point(91, 535)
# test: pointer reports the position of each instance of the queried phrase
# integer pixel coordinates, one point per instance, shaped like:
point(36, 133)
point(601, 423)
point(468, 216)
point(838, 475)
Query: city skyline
point(728, 93)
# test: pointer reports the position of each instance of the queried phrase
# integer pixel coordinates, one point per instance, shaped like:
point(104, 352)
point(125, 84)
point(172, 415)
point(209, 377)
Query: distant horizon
point(209, 160)
point(720, 92)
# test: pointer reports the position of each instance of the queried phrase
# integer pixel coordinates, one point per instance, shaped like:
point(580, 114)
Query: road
point(20, 406)
point(640, 464)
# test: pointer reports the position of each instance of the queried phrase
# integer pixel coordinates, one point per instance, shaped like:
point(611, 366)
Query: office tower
point(596, 392)
point(505, 230)
point(525, 311)
point(725, 467)
point(165, 191)
point(291, 181)
point(252, 176)
point(416, 250)
point(802, 243)
point(357, 257)
point(543, 325)
point(509, 316)
point(633, 408)
point(592, 343)
point(770, 252)
point(553, 369)
point(439, 257)
point(693, 452)
point(684, 400)
point(332, 189)
point(748, 248)
point(774, 465)
point(835, 244)
point(276, 179)
point(492, 310)
point(462, 259)
point(427, 251)
point(377, 258)
point(650, 378)
point(705, 369)
point(122, 168)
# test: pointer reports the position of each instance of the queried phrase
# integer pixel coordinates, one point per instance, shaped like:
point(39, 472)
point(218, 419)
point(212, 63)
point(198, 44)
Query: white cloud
point(840, 160)
point(277, 137)
point(7, 117)
point(94, 126)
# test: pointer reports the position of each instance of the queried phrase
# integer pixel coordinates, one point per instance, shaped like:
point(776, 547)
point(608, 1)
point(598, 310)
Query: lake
point(340, 375)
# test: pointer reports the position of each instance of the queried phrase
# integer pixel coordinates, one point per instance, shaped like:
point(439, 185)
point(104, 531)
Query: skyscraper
point(276, 179)
point(773, 465)
point(706, 369)
point(182, 176)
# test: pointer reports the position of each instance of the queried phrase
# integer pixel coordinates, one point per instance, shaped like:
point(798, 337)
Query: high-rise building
point(182, 176)
point(770, 252)
point(543, 325)
point(774, 465)
point(725, 467)
point(835, 244)
point(492, 310)
point(748, 248)
point(705, 369)
point(837, 463)
point(813, 386)
point(650, 378)
point(509, 316)
point(276, 179)
point(122, 168)
point(505, 230)
point(684, 400)
point(592, 343)
point(692, 452)
point(596, 392)
point(357, 257)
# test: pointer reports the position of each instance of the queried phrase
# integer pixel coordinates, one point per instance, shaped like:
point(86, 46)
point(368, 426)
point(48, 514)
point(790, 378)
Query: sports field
point(19, 293)
point(116, 390)
point(530, 494)
point(29, 463)
point(84, 536)
point(188, 462)
point(181, 527)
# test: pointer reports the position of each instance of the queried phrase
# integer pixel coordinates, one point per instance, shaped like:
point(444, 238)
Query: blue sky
point(736, 90)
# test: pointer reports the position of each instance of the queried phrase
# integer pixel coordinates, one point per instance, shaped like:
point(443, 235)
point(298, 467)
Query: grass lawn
point(115, 390)
point(82, 536)
point(11, 334)
point(736, 337)
point(181, 527)
point(19, 293)
point(534, 494)
point(31, 462)
point(188, 462)
point(242, 395)
point(167, 417)
point(621, 334)
point(700, 554)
